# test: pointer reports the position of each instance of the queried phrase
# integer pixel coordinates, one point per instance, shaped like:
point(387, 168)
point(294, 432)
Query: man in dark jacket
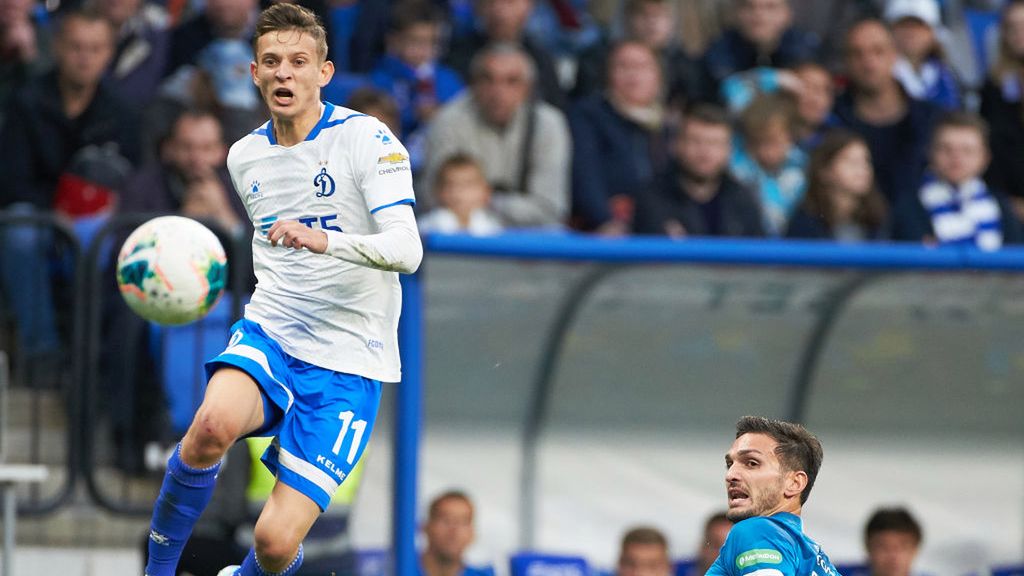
point(763, 35)
point(52, 123)
point(698, 197)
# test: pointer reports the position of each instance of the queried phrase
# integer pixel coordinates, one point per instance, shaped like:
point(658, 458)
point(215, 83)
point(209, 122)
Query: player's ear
point(326, 72)
point(795, 483)
point(252, 70)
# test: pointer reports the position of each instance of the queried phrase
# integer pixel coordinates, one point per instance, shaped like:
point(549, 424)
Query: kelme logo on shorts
point(764, 556)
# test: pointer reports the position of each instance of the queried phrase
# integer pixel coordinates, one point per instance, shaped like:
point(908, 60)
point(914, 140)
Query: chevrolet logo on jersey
point(393, 158)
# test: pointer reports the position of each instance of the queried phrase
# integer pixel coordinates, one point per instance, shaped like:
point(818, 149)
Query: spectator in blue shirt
point(921, 68)
point(410, 70)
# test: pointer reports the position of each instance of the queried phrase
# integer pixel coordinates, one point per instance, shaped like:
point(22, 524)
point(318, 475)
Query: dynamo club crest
point(325, 183)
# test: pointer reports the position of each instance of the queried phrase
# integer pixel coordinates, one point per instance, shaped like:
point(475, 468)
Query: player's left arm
point(396, 247)
point(756, 547)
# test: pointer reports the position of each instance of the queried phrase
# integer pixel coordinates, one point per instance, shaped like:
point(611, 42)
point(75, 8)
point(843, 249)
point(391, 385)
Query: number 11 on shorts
point(358, 427)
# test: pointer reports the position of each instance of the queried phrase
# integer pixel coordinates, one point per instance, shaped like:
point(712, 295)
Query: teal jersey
point(771, 546)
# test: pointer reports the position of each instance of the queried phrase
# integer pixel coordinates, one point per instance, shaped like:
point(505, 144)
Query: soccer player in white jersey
point(330, 193)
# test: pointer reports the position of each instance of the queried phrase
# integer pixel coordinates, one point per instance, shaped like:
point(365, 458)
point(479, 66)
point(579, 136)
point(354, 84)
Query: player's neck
point(291, 131)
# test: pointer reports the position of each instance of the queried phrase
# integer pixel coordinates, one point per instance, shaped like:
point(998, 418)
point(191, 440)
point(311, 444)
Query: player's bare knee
point(209, 437)
point(274, 549)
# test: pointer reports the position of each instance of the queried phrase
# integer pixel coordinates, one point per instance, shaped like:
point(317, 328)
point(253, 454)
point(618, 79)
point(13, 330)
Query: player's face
point(290, 73)
point(644, 560)
point(450, 529)
point(755, 479)
point(891, 553)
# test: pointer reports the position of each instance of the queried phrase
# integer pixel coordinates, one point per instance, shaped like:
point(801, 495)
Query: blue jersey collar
point(324, 118)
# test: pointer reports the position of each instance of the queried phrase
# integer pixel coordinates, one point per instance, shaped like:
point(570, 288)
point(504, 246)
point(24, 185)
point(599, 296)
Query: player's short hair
point(409, 13)
point(644, 535)
point(797, 449)
point(476, 65)
point(285, 16)
point(896, 519)
point(435, 505)
point(958, 119)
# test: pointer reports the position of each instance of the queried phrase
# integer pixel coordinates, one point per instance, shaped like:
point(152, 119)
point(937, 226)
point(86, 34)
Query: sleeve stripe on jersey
point(408, 201)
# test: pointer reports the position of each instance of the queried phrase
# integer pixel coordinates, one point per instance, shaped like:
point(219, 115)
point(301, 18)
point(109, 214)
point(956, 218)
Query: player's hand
point(292, 234)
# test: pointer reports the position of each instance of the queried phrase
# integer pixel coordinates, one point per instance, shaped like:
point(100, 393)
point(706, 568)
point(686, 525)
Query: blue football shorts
point(321, 420)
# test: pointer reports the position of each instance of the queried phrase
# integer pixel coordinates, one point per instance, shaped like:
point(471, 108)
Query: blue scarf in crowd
point(963, 215)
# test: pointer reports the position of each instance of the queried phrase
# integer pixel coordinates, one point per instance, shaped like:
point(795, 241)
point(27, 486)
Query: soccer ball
point(171, 270)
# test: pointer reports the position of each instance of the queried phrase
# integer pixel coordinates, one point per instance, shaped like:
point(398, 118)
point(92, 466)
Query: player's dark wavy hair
point(285, 16)
point(797, 450)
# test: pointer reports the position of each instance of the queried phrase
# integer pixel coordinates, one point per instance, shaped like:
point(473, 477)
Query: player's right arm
point(756, 547)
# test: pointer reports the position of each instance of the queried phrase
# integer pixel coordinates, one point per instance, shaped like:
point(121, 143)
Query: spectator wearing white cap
point(922, 68)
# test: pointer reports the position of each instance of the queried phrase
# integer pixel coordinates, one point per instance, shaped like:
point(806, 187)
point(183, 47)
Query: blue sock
point(251, 566)
point(183, 496)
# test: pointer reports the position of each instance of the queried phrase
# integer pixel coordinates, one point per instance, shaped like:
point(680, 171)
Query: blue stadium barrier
point(871, 258)
point(535, 564)
point(1016, 570)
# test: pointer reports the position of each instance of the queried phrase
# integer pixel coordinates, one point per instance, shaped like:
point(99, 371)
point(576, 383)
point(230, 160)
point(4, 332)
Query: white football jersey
point(320, 309)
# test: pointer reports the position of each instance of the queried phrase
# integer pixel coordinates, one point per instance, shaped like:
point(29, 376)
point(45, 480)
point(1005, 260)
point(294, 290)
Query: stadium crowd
point(851, 121)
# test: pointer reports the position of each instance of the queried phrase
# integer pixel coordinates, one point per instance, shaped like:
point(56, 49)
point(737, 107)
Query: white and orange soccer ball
point(172, 270)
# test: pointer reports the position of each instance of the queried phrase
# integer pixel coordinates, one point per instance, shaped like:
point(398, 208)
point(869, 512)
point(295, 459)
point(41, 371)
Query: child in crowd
point(954, 206)
point(843, 202)
point(922, 69)
point(410, 71)
point(767, 159)
point(463, 200)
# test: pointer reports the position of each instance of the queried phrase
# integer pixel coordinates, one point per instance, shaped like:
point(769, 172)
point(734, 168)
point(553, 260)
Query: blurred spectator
point(649, 22)
point(895, 126)
point(767, 159)
point(410, 71)
point(143, 41)
point(892, 537)
point(361, 28)
point(1002, 105)
point(697, 196)
point(190, 176)
point(24, 46)
point(62, 119)
point(814, 100)
point(921, 68)
point(716, 529)
point(842, 202)
point(954, 206)
point(829, 20)
point(230, 21)
point(522, 143)
point(449, 531)
point(378, 104)
point(463, 199)
point(644, 552)
point(619, 141)
point(504, 21)
point(762, 36)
